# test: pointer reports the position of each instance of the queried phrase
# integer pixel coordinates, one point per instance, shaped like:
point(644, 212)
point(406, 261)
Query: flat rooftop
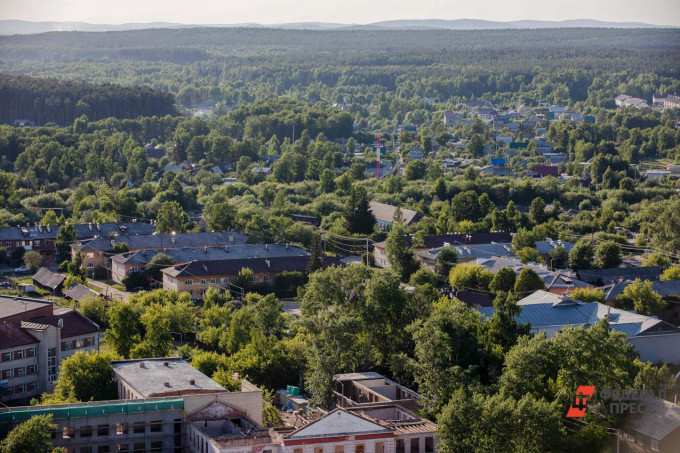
point(156, 377)
point(10, 305)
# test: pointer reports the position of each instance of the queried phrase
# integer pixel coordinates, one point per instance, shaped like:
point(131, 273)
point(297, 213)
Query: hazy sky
point(662, 12)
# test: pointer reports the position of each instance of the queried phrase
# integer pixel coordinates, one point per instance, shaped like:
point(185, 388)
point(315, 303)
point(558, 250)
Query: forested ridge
point(46, 100)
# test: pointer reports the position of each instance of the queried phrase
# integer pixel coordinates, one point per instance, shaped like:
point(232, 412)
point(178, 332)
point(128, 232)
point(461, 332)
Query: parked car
point(21, 269)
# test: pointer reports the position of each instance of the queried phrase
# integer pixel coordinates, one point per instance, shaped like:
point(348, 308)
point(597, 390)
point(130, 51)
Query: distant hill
point(20, 27)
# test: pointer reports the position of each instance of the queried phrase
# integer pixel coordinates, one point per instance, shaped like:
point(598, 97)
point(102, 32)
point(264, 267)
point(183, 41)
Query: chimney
point(266, 247)
point(166, 363)
point(89, 226)
point(48, 229)
point(141, 364)
point(192, 382)
point(166, 384)
point(99, 228)
point(226, 248)
point(286, 246)
point(205, 249)
point(269, 264)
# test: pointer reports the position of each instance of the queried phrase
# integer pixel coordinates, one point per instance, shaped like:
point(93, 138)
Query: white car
point(21, 269)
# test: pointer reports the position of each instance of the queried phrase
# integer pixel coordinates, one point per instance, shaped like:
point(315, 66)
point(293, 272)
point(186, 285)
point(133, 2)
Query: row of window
point(76, 344)
point(69, 432)
point(20, 371)
point(223, 280)
point(36, 243)
point(18, 390)
point(19, 354)
point(155, 446)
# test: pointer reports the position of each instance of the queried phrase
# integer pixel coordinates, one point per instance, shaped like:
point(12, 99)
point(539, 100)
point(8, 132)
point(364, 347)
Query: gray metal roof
point(149, 376)
point(660, 418)
point(10, 305)
point(666, 288)
point(48, 279)
point(79, 292)
point(543, 309)
point(236, 251)
point(620, 274)
point(385, 213)
point(87, 230)
point(160, 241)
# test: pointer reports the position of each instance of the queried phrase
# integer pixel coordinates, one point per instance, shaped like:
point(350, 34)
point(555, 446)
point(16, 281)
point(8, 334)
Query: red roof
point(75, 323)
point(13, 336)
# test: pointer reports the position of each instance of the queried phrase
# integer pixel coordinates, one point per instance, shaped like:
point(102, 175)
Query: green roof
point(91, 409)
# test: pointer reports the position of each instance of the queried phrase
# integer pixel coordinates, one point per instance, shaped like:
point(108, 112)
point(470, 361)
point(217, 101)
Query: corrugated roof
point(160, 241)
point(233, 267)
point(79, 292)
point(236, 251)
point(385, 213)
point(12, 336)
point(543, 309)
point(82, 230)
point(48, 279)
point(618, 275)
point(660, 418)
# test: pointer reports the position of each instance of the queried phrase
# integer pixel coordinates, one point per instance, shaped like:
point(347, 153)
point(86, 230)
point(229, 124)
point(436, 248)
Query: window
point(90, 265)
point(121, 429)
point(6, 356)
point(380, 447)
point(188, 282)
point(318, 449)
point(654, 445)
point(8, 244)
point(21, 371)
point(89, 341)
point(52, 364)
point(80, 343)
point(213, 281)
point(202, 281)
point(90, 254)
point(7, 374)
point(37, 242)
point(19, 354)
point(359, 448)
point(138, 428)
point(297, 450)
point(224, 280)
point(400, 446)
point(156, 426)
point(19, 389)
point(102, 430)
point(255, 278)
point(85, 450)
point(30, 387)
point(140, 446)
point(429, 444)
point(415, 445)
point(157, 446)
point(31, 352)
point(69, 432)
point(66, 346)
point(122, 448)
point(134, 269)
point(85, 431)
point(339, 449)
point(103, 449)
point(265, 278)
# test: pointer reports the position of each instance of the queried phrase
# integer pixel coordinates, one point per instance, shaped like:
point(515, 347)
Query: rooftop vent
point(99, 227)
point(226, 248)
point(141, 364)
point(89, 226)
point(166, 384)
point(269, 264)
point(205, 249)
point(192, 382)
point(48, 229)
point(266, 246)
point(172, 239)
point(231, 238)
point(166, 363)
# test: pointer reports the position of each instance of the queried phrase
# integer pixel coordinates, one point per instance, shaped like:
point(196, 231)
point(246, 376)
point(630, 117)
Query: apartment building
point(97, 251)
point(128, 263)
point(34, 338)
point(41, 238)
point(197, 276)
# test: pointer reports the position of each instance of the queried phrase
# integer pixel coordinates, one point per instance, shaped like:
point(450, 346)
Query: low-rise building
point(384, 214)
point(129, 263)
point(197, 276)
point(97, 251)
point(34, 338)
point(655, 340)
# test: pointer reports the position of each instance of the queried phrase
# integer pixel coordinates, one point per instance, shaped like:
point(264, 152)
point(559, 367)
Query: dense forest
point(44, 100)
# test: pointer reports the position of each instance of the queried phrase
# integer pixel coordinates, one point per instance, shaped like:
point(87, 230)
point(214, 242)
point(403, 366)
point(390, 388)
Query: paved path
point(110, 291)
